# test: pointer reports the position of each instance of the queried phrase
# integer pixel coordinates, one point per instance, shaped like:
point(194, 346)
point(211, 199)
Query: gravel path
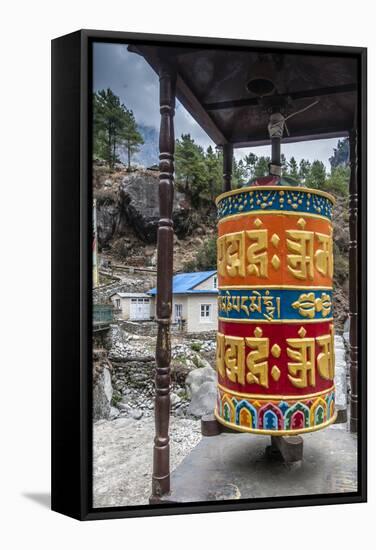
point(122, 457)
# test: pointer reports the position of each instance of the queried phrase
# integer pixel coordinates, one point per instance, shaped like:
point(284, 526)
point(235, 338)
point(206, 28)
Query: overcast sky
point(132, 79)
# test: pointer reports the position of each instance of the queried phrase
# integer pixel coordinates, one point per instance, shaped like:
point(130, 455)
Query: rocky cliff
point(341, 237)
point(129, 203)
point(128, 214)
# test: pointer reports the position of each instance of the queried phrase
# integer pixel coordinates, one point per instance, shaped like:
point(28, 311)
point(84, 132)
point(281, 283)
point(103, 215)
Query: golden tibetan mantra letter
point(275, 342)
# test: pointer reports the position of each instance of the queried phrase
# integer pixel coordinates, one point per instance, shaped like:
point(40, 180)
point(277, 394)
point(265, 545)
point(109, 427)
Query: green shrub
point(206, 257)
point(195, 346)
point(116, 398)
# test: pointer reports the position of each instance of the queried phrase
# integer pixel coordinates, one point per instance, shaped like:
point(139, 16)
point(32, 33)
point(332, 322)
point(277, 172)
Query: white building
point(194, 302)
point(133, 306)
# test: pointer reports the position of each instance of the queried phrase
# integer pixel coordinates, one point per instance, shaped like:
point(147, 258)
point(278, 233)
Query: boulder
point(107, 385)
point(201, 387)
point(197, 377)
point(174, 399)
point(139, 200)
point(108, 216)
point(114, 413)
point(340, 354)
point(137, 414)
point(203, 399)
point(134, 204)
point(341, 388)
point(102, 395)
point(124, 407)
point(340, 379)
point(346, 326)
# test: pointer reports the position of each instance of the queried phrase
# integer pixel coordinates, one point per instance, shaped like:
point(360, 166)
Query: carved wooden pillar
point(161, 457)
point(353, 280)
point(228, 152)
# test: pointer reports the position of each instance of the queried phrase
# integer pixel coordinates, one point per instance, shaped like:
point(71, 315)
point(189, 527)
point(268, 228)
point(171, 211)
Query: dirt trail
point(122, 457)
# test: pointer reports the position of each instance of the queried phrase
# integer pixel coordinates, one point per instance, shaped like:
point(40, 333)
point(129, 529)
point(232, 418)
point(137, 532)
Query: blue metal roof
point(184, 283)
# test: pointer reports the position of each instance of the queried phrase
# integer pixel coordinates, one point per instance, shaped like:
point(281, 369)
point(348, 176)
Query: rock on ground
point(340, 380)
point(122, 457)
point(102, 395)
point(201, 385)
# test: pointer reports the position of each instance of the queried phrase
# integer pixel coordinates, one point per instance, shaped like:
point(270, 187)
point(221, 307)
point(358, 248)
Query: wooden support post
point(276, 150)
point(228, 153)
point(161, 457)
point(210, 425)
point(289, 448)
point(353, 281)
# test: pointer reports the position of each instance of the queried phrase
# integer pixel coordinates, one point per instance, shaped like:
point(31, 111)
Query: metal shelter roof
point(212, 86)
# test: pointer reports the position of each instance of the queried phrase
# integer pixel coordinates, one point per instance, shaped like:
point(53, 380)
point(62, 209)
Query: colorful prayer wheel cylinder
point(275, 343)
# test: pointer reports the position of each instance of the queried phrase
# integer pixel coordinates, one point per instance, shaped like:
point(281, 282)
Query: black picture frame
point(72, 277)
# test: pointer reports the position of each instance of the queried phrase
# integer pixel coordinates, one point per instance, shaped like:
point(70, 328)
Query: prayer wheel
point(275, 343)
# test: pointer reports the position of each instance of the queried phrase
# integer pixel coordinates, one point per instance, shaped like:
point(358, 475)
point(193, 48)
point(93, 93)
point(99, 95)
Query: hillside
point(128, 214)
point(127, 221)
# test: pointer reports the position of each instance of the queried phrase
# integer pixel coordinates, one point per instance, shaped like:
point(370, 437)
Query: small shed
point(133, 306)
point(194, 300)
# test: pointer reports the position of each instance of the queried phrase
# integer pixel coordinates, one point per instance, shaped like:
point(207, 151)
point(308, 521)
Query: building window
point(178, 312)
point(215, 281)
point(117, 303)
point(205, 312)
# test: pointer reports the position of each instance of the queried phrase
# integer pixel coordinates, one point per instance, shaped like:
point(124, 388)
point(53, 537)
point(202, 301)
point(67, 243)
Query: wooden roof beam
point(318, 92)
point(319, 133)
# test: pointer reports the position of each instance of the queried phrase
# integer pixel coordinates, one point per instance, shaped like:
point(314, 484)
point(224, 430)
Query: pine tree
point(293, 168)
point(108, 123)
point(304, 170)
point(317, 175)
point(114, 127)
point(250, 162)
point(338, 181)
point(238, 173)
point(190, 168)
point(214, 170)
point(284, 165)
point(130, 135)
point(261, 167)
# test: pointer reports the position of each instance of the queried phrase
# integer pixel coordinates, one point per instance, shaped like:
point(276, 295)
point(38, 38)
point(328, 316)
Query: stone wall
point(142, 328)
point(150, 328)
point(133, 383)
point(202, 336)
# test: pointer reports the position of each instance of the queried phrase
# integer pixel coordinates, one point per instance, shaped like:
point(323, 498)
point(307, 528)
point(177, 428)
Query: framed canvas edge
point(66, 471)
point(170, 39)
point(86, 510)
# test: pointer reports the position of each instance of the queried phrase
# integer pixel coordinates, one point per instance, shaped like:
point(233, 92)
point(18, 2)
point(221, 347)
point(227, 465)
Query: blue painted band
point(271, 199)
point(275, 304)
